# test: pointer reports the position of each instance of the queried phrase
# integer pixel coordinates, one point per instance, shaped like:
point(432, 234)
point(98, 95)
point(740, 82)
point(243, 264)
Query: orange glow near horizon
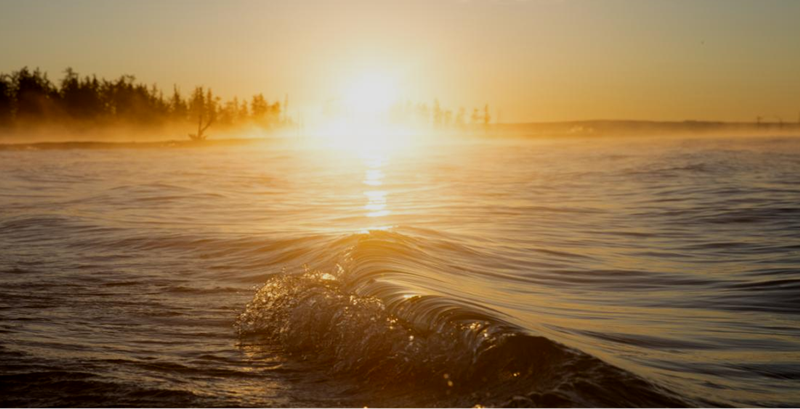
point(529, 60)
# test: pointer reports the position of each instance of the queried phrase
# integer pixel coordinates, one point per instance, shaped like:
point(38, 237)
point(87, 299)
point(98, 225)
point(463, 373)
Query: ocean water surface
point(548, 272)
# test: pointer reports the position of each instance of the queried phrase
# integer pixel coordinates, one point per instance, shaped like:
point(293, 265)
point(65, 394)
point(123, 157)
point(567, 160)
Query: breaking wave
point(423, 350)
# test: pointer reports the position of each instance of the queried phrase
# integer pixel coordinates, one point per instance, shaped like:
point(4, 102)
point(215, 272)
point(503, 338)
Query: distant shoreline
point(524, 130)
point(130, 144)
point(646, 128)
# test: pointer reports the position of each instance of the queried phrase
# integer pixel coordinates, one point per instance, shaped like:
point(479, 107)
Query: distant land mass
point(170, 138)
point(644, 128)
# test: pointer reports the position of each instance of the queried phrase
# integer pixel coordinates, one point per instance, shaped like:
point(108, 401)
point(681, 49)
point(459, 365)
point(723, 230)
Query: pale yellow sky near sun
point(535, 60)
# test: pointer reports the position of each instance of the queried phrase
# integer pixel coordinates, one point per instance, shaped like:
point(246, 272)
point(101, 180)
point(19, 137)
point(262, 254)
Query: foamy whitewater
point(571, 272)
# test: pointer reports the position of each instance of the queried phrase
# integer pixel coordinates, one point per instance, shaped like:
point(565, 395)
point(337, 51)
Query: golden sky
point(535, 60)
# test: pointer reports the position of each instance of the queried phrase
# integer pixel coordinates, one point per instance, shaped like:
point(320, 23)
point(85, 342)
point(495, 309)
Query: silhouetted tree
point(177, 106)
point(131, 102)
point(81, 99)
point(258, 109)
point(34, 95)
point(212, 105)
point(274, 116)
point(6, 100)
point(202, 106)
point(29, 97)
point(244, 114)
point(197, 103)
point(475, 118)
point(227, 112)
point(437, 116)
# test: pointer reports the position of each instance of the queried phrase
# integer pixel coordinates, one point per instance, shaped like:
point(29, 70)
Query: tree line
point(438, 117)
point(29, 97)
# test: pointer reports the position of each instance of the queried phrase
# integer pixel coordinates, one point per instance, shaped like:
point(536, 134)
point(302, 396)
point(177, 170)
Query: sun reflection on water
point(373, 177)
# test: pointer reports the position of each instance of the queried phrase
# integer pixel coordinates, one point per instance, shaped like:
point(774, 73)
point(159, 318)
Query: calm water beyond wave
point(514, 273)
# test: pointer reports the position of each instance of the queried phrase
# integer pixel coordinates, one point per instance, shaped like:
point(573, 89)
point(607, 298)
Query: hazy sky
point(535, 60)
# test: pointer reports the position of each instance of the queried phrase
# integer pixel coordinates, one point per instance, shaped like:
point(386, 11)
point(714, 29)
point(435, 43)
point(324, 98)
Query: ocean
point(484, 272)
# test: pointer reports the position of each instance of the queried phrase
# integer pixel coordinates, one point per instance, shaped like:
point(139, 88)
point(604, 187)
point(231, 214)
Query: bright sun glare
point(370, 95)
point(363, 121)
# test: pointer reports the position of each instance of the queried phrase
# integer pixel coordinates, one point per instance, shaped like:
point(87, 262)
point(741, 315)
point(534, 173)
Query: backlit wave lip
point(423, 350)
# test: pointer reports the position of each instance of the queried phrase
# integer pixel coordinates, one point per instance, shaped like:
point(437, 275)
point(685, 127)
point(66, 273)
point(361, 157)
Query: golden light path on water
point(360, 129)
point(376, 199)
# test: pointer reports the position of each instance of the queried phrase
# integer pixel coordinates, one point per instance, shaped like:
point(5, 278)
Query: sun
point(363, 121)
point(370, 95)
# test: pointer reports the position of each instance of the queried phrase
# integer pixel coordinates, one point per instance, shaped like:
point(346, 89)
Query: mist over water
point(571, 272)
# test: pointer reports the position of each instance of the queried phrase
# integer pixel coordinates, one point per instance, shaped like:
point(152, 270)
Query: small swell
point(427, 350)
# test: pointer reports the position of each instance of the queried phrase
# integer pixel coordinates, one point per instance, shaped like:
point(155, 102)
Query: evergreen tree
point(29, 97)
point(81, 99)
point(6, 100)
point(259, 109)
point(177, 106)
point(34, 95)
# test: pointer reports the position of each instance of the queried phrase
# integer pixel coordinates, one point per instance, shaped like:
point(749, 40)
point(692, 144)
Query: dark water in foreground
point(551, 273)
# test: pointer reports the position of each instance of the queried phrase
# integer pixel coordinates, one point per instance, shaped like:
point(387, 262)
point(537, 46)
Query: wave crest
point(428, 350)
